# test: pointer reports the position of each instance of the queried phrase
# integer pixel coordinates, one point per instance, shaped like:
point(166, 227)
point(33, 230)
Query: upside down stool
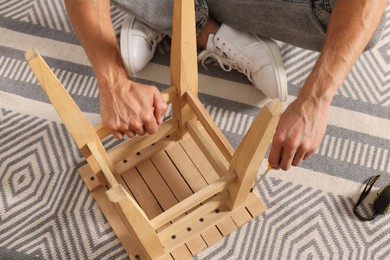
point(174, 193)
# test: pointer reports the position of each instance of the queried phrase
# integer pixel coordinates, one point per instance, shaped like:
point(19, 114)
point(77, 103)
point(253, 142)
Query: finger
point(307, 155)
point(137, 128)
point(150, 124)
point(118, 134)
point(160, 107)
point(299, 157)
point(275, 153)
point(130, 133)
point(287, 158)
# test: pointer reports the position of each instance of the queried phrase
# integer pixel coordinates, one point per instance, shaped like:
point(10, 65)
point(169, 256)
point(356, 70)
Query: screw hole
point(125, 161)
point(188, 229)
point(201, 219)
point(138, 153)
point(92, 178)
point(137, 257)
point(173, 237)
point(153, 144)
point(168, 136)
point(217, 211)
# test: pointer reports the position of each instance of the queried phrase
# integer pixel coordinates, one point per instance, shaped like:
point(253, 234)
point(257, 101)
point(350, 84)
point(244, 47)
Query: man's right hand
point(126, 107)
point(130, 108)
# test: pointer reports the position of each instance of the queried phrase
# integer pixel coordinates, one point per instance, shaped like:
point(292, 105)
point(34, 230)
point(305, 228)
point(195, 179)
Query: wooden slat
point(255, 206)
point(227, 226)
point(181, 253)
point(251, 151)
point(157, 185)
point(196, 244)
point(211, 235)
point(186, 167)
point(212, 129)
point(172, 176)
point(142, 194)
point(122, 182)
point(141, 142)
point(167, 94)
point(209, 174)
point(208, 148)
point(240, 217)
point(199, 160)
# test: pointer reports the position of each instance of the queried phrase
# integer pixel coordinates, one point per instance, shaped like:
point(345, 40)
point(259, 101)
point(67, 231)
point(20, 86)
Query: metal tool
point(261, 177)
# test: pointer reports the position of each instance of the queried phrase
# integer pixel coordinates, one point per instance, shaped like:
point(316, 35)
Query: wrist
point(111, 73)
point(321, 87)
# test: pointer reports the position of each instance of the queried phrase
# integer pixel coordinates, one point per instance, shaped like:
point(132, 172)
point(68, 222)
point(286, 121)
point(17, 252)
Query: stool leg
point(73, 118)
point(184, 64)
point(251, 151)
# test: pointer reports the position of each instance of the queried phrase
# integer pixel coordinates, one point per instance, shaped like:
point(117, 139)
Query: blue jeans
point(302, 23)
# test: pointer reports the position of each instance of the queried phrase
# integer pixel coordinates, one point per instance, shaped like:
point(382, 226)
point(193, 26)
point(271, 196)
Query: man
point(340, 29)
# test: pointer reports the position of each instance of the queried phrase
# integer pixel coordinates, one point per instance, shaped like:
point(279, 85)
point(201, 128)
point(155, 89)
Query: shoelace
point(153, 42)
point(227, 64)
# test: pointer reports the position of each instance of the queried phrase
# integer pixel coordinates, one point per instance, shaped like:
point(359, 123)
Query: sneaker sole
point(277, 63)
point(124, 44)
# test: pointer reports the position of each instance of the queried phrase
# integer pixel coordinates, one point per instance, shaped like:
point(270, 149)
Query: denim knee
point(322, 9)
point(158, 13)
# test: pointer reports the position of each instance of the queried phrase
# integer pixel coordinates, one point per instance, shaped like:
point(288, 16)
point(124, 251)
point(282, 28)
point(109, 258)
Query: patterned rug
point(47, 212)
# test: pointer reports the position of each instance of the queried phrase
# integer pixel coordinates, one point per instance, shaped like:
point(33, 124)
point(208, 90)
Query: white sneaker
point(258, 58)
point(137, 43)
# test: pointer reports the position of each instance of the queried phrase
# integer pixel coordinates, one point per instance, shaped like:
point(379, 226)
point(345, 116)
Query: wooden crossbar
point(210, 126)
point(209, 149)
point(140, 142)
point(193, 216)
point(192, 201)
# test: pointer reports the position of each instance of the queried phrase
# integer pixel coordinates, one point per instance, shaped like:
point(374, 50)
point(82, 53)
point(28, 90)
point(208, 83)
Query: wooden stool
point(174, 193)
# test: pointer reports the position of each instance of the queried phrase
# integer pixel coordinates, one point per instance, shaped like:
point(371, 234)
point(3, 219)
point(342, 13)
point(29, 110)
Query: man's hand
point(126, 107)
point(131, 108)
point(298, 134)
point(302, 126)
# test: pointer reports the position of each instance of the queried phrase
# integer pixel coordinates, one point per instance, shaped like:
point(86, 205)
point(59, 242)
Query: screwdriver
point(261, 177)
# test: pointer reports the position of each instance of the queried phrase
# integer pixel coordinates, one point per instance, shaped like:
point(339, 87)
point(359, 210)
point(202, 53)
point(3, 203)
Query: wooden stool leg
point(73, 118)
point(137, 223)
point(251, 151)
point(90, 145)
point(184, 64)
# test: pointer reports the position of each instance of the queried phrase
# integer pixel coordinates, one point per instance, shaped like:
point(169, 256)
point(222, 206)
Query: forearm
point(92, 23)
point(350, 28)
point(303, 124)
